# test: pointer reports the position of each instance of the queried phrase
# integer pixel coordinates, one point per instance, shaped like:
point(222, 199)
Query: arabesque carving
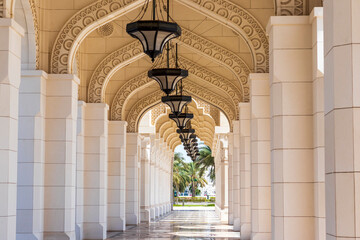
point(133, 51)
point(242, 22)
point(291, 7)
point(80, 25)
point(139, 81)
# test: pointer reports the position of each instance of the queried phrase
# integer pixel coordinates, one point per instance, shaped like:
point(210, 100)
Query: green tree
point(181, 178)
point(196, 178)
point(206, 161)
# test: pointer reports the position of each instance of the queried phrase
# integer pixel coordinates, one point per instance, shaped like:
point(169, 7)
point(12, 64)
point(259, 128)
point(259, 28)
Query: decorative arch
point(133, 51)
point(142, 80)
point(242, 22)
point(80, 25)
point(153, 99)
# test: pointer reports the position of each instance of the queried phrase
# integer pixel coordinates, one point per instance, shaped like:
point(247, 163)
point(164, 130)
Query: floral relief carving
point(242, 22)
point(217, 81)
point(291, 7)
point(77, 27)
point(156, 112)
point(36, 29)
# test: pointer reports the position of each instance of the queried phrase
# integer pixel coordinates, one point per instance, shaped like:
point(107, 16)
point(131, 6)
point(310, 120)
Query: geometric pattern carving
point(2, 9)
point(200, 72)
point(81, 24)
point(106, 30)
point(193, 89)
point(108, 66)
point(242, 22)
point(215, 114)
point(291, 7)
point(36, 29)
point(156, 112)
point(132, 51)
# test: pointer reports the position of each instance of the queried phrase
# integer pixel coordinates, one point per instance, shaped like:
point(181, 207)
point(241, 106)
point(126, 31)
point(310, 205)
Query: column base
point(152, 214)
point(60, 236)
point(261, 236)
point(245, 231)
point(145, 215)
point(230, 219)
point(28, 236)
point(116, 224)
point(157, 212)
point(79, 231)
point(237, 225)
point(94, 231)
point(132, 219)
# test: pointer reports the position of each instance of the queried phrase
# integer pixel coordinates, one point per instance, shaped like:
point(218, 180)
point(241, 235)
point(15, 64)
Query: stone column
point(156, 174)
point(230, 181)
point(31, 155)
point(145, 180)
point(245, 173)
point(95, 170)
point(236, 175)
point(260, 157)
point(342, 116)
point(132, 179)
point(291, 128)
point(10, 68)
point(152, 176)
point(60, 156)
point(116, 211)
point(316, 18)
point(80, 148)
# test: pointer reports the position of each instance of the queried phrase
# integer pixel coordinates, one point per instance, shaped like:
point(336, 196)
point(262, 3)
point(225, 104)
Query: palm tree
point(181, 178)
point(196, 178)
point(205, 161)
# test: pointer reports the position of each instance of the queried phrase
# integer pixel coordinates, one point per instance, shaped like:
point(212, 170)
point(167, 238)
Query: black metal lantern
point(182, 119)
point(185, 133)
point(176, 102)
point(167, 77)
point(154, 34)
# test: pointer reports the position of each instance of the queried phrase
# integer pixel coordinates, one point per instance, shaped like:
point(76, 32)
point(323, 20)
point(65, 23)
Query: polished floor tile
point(186, 224)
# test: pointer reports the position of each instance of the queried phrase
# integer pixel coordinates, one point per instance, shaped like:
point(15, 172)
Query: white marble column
point(116, 210)
point(245, 173)
point(80, 131)
point(291, 128)
point(316, 18)
point(156, 174)
point(342, 117)
point(60, 156)
point(95, 170)
point(10, 68)
point(31, 155)
point(236, 175)
point(260, 157)
point(132, 179)
point(152, 176)
point(145, 180)
point(230, 181)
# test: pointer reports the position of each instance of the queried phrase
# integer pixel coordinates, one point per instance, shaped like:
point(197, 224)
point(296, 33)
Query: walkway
point(186, 224)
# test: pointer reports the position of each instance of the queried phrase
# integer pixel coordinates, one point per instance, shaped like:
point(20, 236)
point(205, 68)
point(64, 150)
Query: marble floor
point(184, 224)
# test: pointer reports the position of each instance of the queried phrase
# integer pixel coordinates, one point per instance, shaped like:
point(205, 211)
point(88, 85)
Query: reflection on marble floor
point(190, 224)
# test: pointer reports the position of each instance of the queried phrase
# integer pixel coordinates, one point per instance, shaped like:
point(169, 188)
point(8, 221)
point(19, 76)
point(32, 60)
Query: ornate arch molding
point(241, 22)
point(7, 8)
point(133, 51)
point(153, 99)
point(142, 80)
point(80, 25)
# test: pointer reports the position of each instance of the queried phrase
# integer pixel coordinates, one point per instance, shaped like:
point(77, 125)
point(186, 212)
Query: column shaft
point(342, 116)
point(260, 157)
point(10, 55)
point(116, 216)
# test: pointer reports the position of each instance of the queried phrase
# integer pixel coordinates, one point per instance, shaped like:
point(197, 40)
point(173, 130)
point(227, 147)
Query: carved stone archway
point(142, 81)
point(133, 51)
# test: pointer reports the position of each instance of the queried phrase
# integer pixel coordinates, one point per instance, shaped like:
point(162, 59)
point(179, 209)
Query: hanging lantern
point(185, 133)
point(181, 119)
point(176, 102)
point(167, 77)
point(153, 34)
